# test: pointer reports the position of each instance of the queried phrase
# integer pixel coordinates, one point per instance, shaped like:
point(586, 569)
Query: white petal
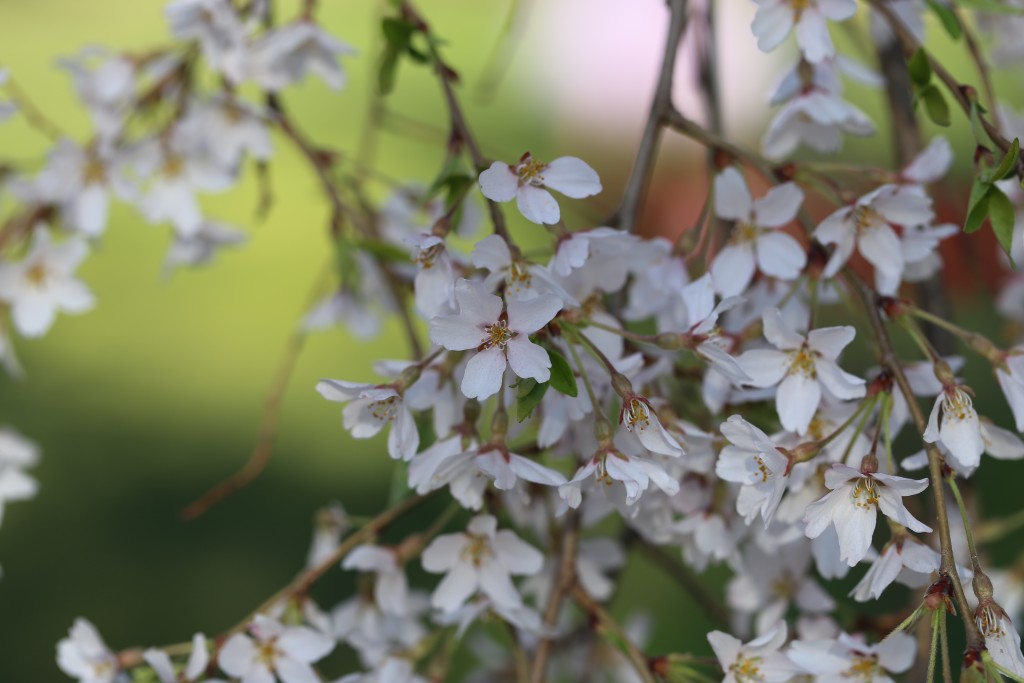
point(779, 206)
point(796, 401)
point(732, 197)
point(733, 269)
point(499, 182)
point(780, 256)
point(572, 177)
point(526, 359)
point(526, 317)
point(537, 205)
point(778, 333)
point(484, 371)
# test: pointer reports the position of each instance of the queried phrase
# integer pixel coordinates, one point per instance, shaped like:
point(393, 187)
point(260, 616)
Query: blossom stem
point(958, 90)
point(866, 404)
point(922, 341)
point(947, 564)
point(947, 670)
point(564, 578)
point(972, 548)
point(661, 106)
point(583, 372)
point(887, 402)
point(934, 649)
point(626, 334)
point(636, 657)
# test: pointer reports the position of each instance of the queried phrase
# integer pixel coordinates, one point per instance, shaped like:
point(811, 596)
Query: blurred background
point(142, 404)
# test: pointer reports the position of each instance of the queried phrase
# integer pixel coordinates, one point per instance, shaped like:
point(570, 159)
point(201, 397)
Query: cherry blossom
point(528, 182)
point(775, 19)
point(752, 460)
point(852, 505)
point(84, 655)
point(848, 658)
point(499, 334)
point(954, 423)
point(43, 283)
point(803, 367)
point(198, 660)
point(755, 240)
point(479, 559)
point(371, 407)
point(274, 650)
point(758, 660)
point(390, 588)
point(286, 55)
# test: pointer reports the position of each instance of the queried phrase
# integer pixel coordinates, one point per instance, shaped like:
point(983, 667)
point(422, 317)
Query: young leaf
point(948, 19)
point(529, 393)
point(935, 105)
point(1007, 166)
point(562, 377)
point(977, 210)
point(919, 67)
point(1001, 216)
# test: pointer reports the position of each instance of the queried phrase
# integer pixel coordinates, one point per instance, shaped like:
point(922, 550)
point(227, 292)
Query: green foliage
point(948, 18)
point(529, 393)
point(562, 377)
point(988, 201)
point(935, 106)
point(398, 36)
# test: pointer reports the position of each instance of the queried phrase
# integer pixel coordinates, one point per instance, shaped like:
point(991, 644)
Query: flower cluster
point(611, 392)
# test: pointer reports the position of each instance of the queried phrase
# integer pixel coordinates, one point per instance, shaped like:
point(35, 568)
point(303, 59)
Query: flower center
point(529, 172)
point(865, 218)
point(746, 670)
point(37, 275)
point(477, 550)
point(989, 623)
point(864, 668)
point(865, 494)
point(173, 166)
point(93, 171)
point(762, 468)
point(743, 232)
point(385, 409)
point(802, 361)
point(498, 335)
point(267, 652)
point(426, 258)
point(635, 415)
point(518, 276)
point(798, 8)
point(956, 405)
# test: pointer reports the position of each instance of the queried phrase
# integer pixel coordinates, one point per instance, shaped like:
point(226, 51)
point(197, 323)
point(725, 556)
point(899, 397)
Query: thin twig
point(947, 565)
point(635, 655)
point(563, 580)
point(636, 186)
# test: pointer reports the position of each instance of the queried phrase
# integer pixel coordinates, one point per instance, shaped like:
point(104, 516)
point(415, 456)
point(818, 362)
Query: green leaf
point(919, 67)
point(1007, 166)
point(562, 377)
point(384, 251)
point(979, 130)
point(388, 68)
point(397, 32)
point(453, 171)
point(992, 6)
point(1002, 216)
point(948, 19)
point(977, 210)
point(935, 105)
point(529, 393)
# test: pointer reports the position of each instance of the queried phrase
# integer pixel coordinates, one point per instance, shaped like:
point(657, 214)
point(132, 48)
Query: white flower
point(755, 241)
point(776, 18)
point(574, 251)
point(274, 649)
point(701, 322)
point(230, 129)
point(479, 559)
point(849, 659)
point(954, 423)
point(370, 407)
point(521, 279)
point(637, 417)
point(287, 54)
point(501, 337)
point(218, 29)
point(391, 588)
point(43, 283)
point(635, 473)
point(903, 558)
point(931, 164)
point(462, 471)
point(852, 506)
point(1011, 380)
point(752, 460)
point(388, 670)
point(759, 660)
point(813, 112)
point(529, 180)
point(868, 226)
point(802, 367)
point(194, 668)
point(1001, 637)
point(331, 522)
point(200, 247)
point(84, 655)
point(434, 285)
point(16, 454)
point(80, 180)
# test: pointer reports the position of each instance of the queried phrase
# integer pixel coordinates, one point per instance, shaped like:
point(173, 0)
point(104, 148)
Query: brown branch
point(661, 106)
point(563, 580)
point(963, 94)
point(947, 565)
point(635, 655)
